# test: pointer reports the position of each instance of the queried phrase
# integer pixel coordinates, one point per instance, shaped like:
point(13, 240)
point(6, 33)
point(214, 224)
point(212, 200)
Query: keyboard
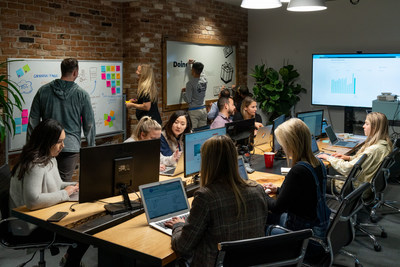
point(162, 223)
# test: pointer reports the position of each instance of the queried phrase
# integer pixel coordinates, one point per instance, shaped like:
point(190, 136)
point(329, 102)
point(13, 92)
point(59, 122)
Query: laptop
point(174, 170)
point(162, 201)
point(263, 135)
point(335, 141)
point(314, 147)
point(242, 169)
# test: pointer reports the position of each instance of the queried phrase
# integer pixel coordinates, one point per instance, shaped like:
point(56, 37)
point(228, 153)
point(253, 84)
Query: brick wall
point(106, 30)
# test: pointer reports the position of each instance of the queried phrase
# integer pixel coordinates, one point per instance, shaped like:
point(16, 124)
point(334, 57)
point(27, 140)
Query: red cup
point(269, 159)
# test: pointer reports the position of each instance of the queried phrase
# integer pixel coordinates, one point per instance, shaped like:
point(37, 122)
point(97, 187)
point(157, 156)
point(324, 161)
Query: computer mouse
point(267, 190)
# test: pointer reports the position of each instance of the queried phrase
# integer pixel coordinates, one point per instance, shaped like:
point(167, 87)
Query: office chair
point(277, 250)
point(7, 239)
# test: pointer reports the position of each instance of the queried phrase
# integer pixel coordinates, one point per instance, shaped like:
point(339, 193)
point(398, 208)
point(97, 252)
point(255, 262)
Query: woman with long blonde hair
point(248, 111)
point(225, 208)
point(147, 93)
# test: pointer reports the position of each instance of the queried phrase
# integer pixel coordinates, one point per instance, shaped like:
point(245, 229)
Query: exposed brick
point(73, 14)
point(106, 24)
point(56, 42)
point(54, 5)
point(26, 39)
point(63, 36)
point(94, 12)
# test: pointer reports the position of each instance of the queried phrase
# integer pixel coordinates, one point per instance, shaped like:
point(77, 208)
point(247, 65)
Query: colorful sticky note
point(113, 118)
point(109, 119)
point(105, 123)
point(108, 83)
point(118, 90)
point(113, 76)
point(113, 90)
point(108, 76)
point(105, 116)
point(110, 124)
point(103, 68)
point(113, 83)
point(112, 113)
point(24, 128)
point(112, 68)
point(25, 120)
point(118, 83)
point(20, 73)
point(118, 75)
point(17, 121)
point(18, 130)
point(24, 113)
point(108, 68)
point(103, 76)
point(26, 68)
point(118, 68)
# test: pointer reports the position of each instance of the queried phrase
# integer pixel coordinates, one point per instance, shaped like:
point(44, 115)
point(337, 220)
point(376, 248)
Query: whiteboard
point(219, 69)
point(101, 79)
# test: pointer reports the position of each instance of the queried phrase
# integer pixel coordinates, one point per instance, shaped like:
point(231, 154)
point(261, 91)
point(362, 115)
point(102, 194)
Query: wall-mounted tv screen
point(353, 80)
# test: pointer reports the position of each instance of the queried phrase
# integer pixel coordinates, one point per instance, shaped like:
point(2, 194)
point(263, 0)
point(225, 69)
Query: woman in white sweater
point(36, 182)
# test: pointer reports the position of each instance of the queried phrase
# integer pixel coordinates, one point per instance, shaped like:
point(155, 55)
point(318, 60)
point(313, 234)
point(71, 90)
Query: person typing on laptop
point(225, 208)
point(377, 146)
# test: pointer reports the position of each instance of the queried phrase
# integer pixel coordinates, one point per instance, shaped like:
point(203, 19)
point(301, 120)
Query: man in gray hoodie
point(66, 102)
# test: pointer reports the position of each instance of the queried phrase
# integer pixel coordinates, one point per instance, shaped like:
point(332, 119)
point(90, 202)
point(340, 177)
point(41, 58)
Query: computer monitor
point(109, 170)
point(313, 119)
point(241, 132)
point(276, 122)
point(192, 146)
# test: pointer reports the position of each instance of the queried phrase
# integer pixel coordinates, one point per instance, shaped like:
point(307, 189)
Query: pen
point(329, 150)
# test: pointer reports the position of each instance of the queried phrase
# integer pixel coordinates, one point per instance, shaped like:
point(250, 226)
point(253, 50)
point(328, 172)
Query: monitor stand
point(124, 206)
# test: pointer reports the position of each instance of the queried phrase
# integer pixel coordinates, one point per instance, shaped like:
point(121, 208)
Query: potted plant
point(8, 88)
point(276, 91)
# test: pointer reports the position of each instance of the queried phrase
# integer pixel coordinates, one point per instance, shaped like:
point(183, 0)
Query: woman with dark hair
point(241, 92)
point(36, 183)
point(225, 208)
point(172, 137)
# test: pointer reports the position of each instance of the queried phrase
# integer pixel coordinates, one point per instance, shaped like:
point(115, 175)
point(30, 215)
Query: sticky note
point(127, 101)
point(17, 121)
point(108, 76)
point(26, 68)
point(108, 83)
point(20, 73)
point(113, 83)
point(325, 141)
point(103, 76)
point(108, 68)
point(118, 90)
point(24, 113)
point(103, 68)
point(118, 83)
point(112, 113)
point(105, 116)
point(118, 75)
point(110, 124)
point(105, 123)
point(112, 68)
point(24, 128)
point(113, 90)
point(18, 130)
point(118, 68)
point(109, 119)
point(25, 120)
point(113, 76)
point(113, 118)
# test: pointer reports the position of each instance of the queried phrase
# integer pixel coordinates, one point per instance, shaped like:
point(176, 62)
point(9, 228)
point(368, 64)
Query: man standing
point(194, 95)
point(226, 110)
point(66, 102)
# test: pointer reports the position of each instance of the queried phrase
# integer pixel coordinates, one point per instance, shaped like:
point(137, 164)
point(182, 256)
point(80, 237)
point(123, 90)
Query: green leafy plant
point(276, 91)
point(8, 88)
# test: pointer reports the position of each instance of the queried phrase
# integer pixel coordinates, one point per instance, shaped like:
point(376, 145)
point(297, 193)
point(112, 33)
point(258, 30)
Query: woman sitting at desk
point(36, 183)
point(248, 111)
point(172, 137)
point(146, 129)
point(301, 199)
point(377, 146)
point(225, 208)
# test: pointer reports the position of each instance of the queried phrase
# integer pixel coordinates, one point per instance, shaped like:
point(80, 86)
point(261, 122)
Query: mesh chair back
point(348, 186)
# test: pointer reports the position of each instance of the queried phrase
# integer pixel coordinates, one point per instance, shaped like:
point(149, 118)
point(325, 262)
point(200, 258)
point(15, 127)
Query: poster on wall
point(219, 69)
point(101, 79)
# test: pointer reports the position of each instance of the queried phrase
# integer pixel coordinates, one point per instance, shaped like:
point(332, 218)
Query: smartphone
point(56, 217)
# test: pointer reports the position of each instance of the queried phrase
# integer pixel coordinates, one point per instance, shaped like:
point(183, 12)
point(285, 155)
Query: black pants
point(66, 162)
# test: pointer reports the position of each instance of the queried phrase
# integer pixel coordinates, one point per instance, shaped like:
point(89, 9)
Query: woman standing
point(225, 208)
point(248, 111)
point(147, 93)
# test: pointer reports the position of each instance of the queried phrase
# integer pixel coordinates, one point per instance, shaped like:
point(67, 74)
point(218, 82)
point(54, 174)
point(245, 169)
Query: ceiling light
point(260, 4)
point(285, 1)
point(306, 5)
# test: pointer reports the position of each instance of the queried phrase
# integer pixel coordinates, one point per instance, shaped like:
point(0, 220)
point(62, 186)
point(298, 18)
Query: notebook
point(174, 170)
point(314, 147)
point(242, 169)
point(262, 136)
point(162, 201)
point(335, 141)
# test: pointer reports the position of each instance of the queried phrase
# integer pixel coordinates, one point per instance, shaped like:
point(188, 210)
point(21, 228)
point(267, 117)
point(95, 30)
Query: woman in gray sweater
point(36, 182)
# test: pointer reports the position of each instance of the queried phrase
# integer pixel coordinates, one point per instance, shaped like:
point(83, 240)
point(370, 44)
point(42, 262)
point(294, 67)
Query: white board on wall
point(219, 69)
point(101, 79)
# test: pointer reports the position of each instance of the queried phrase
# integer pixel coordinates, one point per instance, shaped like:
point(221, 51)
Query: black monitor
point(192, 146)
point(110, 170)
point(313, 119)
point(277, 147)
point(241, 132)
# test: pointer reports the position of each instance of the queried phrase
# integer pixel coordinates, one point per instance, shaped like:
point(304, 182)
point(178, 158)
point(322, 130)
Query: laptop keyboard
point(344, 143)
point(161, 223)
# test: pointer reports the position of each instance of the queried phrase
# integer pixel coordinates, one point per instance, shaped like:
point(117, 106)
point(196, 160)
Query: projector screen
point(353, 80)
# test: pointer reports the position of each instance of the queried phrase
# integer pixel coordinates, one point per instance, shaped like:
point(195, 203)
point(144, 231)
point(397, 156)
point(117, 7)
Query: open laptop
point(263, 135)
point(174, 170)
point(314, 147)
point(162, 201)
point(242, 169)
point(335, 141)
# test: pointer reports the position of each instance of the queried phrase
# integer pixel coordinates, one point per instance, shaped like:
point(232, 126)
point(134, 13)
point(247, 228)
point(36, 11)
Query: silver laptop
point(314, 147)
point(335, 141)
point(174, 170)
point(263, 135)
point(164, 200)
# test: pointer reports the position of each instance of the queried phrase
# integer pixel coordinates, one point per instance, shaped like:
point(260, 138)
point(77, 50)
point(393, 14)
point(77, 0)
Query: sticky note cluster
point(112, 77)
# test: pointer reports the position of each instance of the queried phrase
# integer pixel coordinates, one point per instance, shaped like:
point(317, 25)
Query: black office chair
point(7, 239)
point(277, 250)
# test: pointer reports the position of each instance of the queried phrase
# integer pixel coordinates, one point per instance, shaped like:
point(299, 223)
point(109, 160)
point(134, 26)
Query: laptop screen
point(242, 169)
point(331, 134)
point(164, 198)
point(314, 145)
